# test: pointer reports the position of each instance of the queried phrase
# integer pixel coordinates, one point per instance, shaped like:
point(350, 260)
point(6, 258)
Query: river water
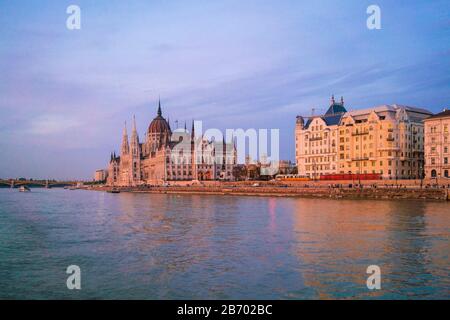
point(151, 246)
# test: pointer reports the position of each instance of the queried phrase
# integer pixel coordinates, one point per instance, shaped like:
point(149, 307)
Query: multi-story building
point(316, 141)
point(100, 175)
point(386, 140)
point(437, 145)
point(286, 167)
point(169, 156)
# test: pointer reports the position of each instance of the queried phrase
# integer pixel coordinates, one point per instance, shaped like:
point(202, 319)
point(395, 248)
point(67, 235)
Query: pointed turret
point(332, 99)
point(135, 149)
point(134, 124)
point(342, 101)
point(134, 134)
point(159, 108)
point(135, 154)
point(224, 146)
point(125, 149)
point(192, 131)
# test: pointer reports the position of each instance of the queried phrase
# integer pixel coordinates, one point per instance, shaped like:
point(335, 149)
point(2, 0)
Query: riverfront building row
point(437, 145)
point(386, 140)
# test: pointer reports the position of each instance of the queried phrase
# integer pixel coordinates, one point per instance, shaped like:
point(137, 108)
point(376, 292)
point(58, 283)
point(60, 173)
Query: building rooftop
point(337, 111)
point(335, 108)
point(443, 114)
point(333, 115)
point(387, 108)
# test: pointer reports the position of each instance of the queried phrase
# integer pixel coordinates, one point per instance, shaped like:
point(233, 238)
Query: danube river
point(151, 246)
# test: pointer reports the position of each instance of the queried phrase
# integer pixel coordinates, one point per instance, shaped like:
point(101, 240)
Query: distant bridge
point(13, 183)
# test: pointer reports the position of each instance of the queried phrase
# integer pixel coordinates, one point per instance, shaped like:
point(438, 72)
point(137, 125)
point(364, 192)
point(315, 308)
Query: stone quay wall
point(359, 192)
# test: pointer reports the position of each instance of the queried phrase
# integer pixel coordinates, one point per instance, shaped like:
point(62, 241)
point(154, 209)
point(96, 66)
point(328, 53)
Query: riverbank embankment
point(281, 190)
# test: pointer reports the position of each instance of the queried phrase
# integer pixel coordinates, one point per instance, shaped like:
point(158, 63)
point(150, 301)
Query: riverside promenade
point(337, 190)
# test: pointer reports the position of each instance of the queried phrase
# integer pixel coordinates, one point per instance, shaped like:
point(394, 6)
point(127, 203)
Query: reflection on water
point(408, 240)
point(192, 246)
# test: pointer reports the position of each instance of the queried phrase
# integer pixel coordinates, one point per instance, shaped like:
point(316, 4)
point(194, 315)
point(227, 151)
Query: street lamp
point(350, 173)
point(421, 175)
point(314, 169)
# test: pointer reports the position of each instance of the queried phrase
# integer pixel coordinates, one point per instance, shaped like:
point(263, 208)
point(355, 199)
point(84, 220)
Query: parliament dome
point(159, 124)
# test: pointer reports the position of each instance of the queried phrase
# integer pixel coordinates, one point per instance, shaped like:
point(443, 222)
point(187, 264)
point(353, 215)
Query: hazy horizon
point(65, 94)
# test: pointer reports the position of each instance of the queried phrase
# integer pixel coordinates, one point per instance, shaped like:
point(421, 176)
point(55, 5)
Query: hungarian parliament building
point(165, 156)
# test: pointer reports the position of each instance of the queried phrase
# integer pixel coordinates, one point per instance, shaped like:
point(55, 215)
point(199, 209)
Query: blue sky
point(64, 95)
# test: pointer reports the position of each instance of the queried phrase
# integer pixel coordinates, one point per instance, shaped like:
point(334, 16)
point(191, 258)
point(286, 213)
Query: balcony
point(390, 139)
point(389, 146)
point(360, 133)
point(361, 159)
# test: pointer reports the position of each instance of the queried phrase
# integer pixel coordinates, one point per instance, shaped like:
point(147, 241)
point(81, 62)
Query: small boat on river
point(24, 189)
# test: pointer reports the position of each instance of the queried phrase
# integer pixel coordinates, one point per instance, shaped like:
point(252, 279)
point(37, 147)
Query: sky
point(65, 94)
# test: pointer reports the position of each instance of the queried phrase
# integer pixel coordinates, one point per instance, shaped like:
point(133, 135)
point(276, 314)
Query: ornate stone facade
point(386, 140)
point(437, 145)
point(169, 156)
point(316, 140)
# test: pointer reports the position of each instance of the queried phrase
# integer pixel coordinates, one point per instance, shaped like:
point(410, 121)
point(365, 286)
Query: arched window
point(446, 173)
point(433, 173)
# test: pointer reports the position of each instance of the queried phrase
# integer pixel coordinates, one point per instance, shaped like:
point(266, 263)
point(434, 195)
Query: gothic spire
point(134, 135)
point(134, 124)
point(125, 146)
point(159, 108)
point(125, 130)
point(332, 100)
point(342, 100)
